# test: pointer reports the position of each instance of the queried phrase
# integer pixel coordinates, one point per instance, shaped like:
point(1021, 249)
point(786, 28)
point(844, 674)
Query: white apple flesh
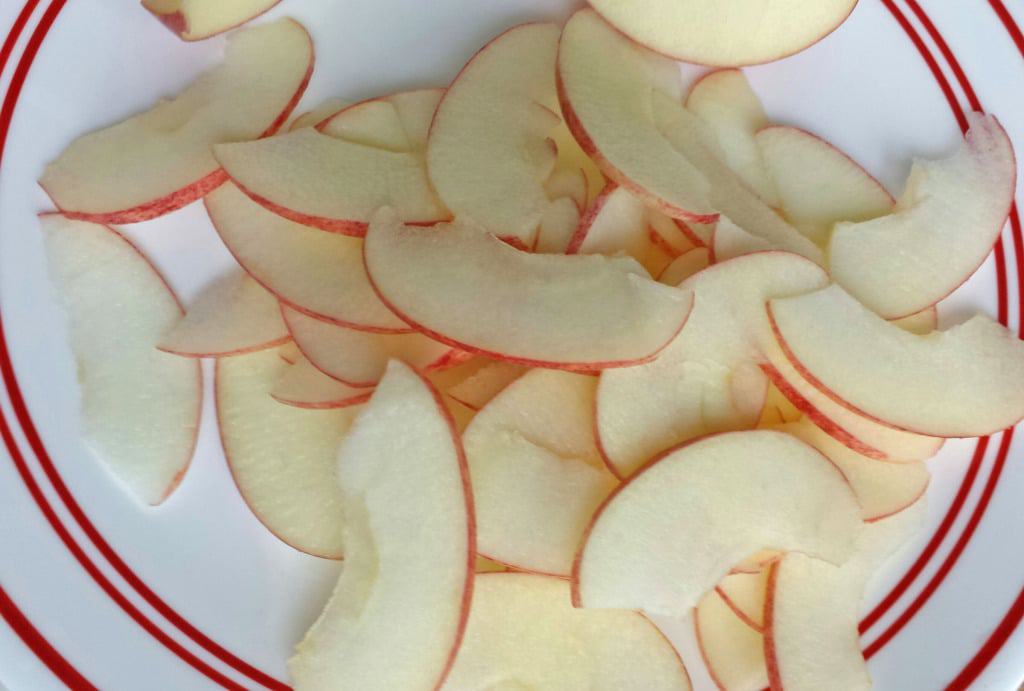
point(195, 20)
point(733, 652)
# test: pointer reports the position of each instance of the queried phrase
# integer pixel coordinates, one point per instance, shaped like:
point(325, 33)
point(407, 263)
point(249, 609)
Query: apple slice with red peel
point(401, 465)
point(644, 410)
point(281, 458)
point(572, 158)
point(233, 315)
point(568, 182)
point(605, 85)
point(729, 241)
point(398, 122)
point(321, 274)
point(289, 352)
point(966, 381)
point(756, 561)
point(725, 34)
point(819, 185)
point(194, 20)
point(698, 234)
point(777, 409)
point(706, 505)
point(906, 261)
point(674, 235)
point(359, 358)
point(733, 651)
point(724, 100)
point(316, 116)
point(139, 406)
point(811, 610)
point(304, 386)
point(557, 226)
point(489, 152)
point(881, 488)
point(523, 633)
point(537, 475)
point(160, 160)
point(685, 265)
point(463, 287)
point(479, 388)
point(616, 222)
point(744, 593)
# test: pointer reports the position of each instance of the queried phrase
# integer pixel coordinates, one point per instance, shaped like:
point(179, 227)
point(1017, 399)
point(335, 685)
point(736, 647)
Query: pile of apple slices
point(546, 351)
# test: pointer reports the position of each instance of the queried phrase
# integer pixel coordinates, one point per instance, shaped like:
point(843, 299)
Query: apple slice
point(904, 262)
point(777, 408)
point(643, 410)
point(921, 323)
point(616, 222)
point(725, 34)
point(484, 565)
point(707, 505)
point(523, 633)
point(568, 182)
point(466, 288)
point(724, 100)
point(479, 388)
point(281, 458)
point(811, 610)
point(572, 158)
point(359, 358)
point(316, 116)
point(194, 20)
point(139, 406)
point(733, 651)
point(819, 185)
point(557, 226)
point(685, 265)
point(318, 273)
point(290, 353)
point(964, 382)
point(729, 241)
point(537, 475)
point(233, 315)
point(744, 593)
point(881, 488)
point(160, 160)
point(304, 386)
point(489, 151)
point(605, 85)
point(401, 466)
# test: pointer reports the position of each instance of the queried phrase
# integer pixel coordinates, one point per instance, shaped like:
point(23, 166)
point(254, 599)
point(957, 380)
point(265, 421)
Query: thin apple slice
point(685, 265)
point(744, 593)
point(572, 157)
point(359, 358)
point(605, 85)
point(194, 20)
point(479, 388)
point(304, 386)
point(523, 633)
point(537, 475)
point(725, 34)
point(777, 409)
point(557, 226)
point(964, 382)
point(233, 315)
point(673, 235)
point(707, 505)
point(819, 185)
point(317, 115)
point(644, 410)
point(400, 466)
point(139, 406)
point(160, 160)
point(881, 488)
point(756, 561)
point(729, 241)
point(921, 323)
point(904, 262)
point(489, 151)
point(321, 274)
point(724, 100)
point(811, 610)
point(398, 122)
point(733, 651)
point(281, 458)
point(568, 182)
point(616, 222)
point(466, 288)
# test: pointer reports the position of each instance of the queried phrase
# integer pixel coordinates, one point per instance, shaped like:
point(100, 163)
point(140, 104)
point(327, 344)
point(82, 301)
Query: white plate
point(197, 594)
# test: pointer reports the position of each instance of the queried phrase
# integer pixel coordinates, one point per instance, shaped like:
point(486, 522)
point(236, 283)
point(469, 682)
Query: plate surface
point(196, 594)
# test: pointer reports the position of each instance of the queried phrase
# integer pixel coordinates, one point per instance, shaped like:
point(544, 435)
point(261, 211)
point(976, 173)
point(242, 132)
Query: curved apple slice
point(707, 505)
point(139, 406)
point(489, 151)
point(317, 115)
point(524, 631)
point(605, 85)
point(466, 288)
point(725, 34)
point(401, 465)
point(318, 273)
point(568, 182)
point(304, 386)
point(724, 100)
point(233, 315)
point(194, 20)
point(728, 241)
point(733, 651)
point(685, 265)
point(811, 610)
point(615, 222)
point(819, 185)
point(921, 323)
point(359, 358)
point(160, 160)
point(967, 381)
point(398, 122)
point(744, 593)
point(476, 390)
point(881, 488)
point(557, 226)
point(537, 475)
point(904, 262)
point(644, 410)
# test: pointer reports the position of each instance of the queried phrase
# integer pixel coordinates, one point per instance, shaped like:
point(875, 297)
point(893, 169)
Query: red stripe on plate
point(12, 37)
